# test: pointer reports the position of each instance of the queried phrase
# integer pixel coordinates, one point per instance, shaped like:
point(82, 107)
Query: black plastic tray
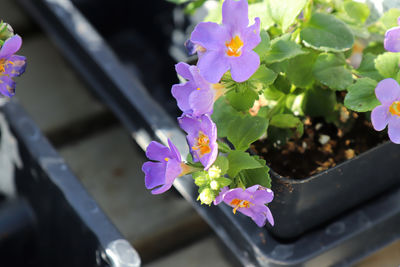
point(67, 227)
point(146, 120)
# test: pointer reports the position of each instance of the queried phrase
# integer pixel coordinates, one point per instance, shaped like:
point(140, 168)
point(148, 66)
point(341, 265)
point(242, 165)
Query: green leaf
point(263, 47)
point(329, 69)
point(245, 130)
point(260, 10)
point(358, 12)
point(223, 115)
point(282, 84)
point(282, 48)
point(222, 163)
point(284, 13)
point(387, 64)
point(287, 121)
point(389, 18)
point(361, 96)
point(300, 70)
point(257, 176)
point(222, 181)
point(239, 160)
point(223, 147)
point(178, 2)
point(264, 75)
point(367, 68)
point(325, 32)
point(319, 102)
point(242, 101)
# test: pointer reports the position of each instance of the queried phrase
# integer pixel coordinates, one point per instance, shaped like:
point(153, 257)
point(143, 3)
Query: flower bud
point(214, 172)
point(206, 196)
point(6, 31)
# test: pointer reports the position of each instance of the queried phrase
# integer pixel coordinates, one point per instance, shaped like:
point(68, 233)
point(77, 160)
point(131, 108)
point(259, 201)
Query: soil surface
point(322, 146)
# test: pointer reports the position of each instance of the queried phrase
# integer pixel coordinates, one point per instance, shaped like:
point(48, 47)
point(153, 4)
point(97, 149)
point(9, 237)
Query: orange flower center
point(234, 47)
point(240, 203)
point(395, 108)
point(202, 144)
point(3, 64)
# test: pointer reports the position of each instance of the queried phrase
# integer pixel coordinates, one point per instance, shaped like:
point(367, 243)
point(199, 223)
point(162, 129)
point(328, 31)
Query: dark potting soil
point(322, 146)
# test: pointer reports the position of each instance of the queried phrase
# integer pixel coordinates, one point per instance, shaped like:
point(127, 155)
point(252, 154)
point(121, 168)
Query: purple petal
point(380, 117)
point(173, 169)
point(7, 86)
point(260, 215)
point(392, 40)
point(210, 35)
point(394, 129)
point(270, 218)
point(175, 151)
point(154, 174)
point(158, 152)
point(387, 91)
point(202, 101)
point(181, 93)
point(183, 70)
point(212, 65)
point(263, 196)
point(244, 66)
point(17, 67)
point(251, 35)
point(220, 196)
point(235, 14)
point(11, 46)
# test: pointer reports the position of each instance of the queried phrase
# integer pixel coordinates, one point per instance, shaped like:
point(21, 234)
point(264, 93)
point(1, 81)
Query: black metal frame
point(69, 228)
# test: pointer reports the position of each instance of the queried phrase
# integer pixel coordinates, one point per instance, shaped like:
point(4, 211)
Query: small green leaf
point(242, 101)
point(284, 13)
point(257, 176)
point(222, 181)
point(361, 96)
point(329, 69)
point(387, 64)
point(282, 48)
point(358, 12)
point(239, 160)
point(263, 47)
point(367, 67)
point(389, 18)
point(245, 130)
point(264, 75)
point(325, 32)
point(300, 70)
point(223, 147)
point(223, 115)
point(260, 10)
point(287, 121)
point(319, 102)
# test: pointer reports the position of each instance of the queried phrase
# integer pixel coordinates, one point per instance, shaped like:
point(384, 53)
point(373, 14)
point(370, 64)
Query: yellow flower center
point(234, 47)
point(240, 203)
point(202, 144)
point(3, 64)
point(394, 108)
point(166, 158)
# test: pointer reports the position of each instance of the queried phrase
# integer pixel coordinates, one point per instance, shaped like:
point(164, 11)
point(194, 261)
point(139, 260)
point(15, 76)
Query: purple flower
point(202, 138)
point(388, 93)
point(10, 65)
point(392, 39)
point(251, 202)
point(228, 46)
point(162, 174)
point(196, 96)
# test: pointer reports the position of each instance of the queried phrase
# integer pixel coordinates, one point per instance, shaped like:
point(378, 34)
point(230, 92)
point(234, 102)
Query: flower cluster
point(220, 48)
point(11, 65)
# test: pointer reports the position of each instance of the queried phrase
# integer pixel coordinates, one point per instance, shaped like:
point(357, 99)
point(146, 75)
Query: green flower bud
point(206, 196)
point(214, 185)
point(5, 31)
point(214, 172)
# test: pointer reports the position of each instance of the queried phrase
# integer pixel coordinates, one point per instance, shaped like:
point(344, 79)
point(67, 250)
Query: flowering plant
point(264, 69)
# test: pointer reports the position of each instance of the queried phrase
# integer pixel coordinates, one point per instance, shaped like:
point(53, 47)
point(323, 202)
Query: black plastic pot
point(299, 205)
point(53, 221)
